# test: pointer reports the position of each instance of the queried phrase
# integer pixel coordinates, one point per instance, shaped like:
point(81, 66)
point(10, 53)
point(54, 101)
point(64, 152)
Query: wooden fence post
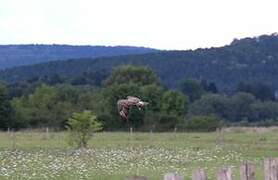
point(131, 130)
point(172, 176)
point(247, 171)
point(47, 133)
point(13, 139)
point(224, 174)
point(220, 136)
point(199, 174)
point(271, 169)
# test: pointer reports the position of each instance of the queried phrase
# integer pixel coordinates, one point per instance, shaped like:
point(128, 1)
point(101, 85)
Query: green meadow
point(117, 155)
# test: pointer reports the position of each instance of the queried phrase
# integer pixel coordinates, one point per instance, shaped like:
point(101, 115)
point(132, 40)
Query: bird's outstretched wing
point(133, 99)
point(138, 102)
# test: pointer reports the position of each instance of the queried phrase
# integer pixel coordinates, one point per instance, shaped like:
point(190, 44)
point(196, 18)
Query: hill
point(16, 55)
point(253, 60)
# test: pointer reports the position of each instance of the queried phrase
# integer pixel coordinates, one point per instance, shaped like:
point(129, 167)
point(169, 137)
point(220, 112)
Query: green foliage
point(5, 108)
point(82, 126)
point(128, 81)
point(168, 121)
point(90, 78)
point(203, 123)
point(126, 74)
point(164, 111)
point(192, 88)
point(111, 95)
point(47, 106)
point(174, 102)
point(241, 107)
point(259, 90)
point(264, 111)
point(211, 104)
point(161, 121)
point(153, 94)
point(223, 106)
point(38, 105)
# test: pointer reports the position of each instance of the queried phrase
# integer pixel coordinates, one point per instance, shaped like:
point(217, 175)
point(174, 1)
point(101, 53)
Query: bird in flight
point(125, 104)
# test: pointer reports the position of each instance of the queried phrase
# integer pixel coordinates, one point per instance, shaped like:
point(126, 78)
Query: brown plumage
point(125, 104)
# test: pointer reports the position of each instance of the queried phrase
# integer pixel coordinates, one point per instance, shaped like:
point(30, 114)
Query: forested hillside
point(252, 60)
point(16, 55)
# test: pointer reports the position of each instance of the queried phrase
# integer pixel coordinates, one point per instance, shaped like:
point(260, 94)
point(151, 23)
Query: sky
point(161, 24)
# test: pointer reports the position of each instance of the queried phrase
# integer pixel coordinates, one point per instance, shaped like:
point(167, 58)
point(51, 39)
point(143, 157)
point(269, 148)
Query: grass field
point(37, 155)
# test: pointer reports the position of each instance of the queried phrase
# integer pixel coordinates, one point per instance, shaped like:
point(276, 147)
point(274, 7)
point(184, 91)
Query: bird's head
point(141, 104)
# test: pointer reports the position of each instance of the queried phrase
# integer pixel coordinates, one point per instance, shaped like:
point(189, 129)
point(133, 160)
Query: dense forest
point(16, 55)
point(196, 105)
point(199, 90)
point(249, 60)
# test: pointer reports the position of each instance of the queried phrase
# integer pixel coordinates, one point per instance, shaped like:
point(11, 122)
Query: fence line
point(247, 172)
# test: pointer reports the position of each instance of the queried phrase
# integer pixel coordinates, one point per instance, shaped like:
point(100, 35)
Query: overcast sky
point(163, 24)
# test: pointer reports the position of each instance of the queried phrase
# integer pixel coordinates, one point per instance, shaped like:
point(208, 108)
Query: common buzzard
point(125, 104)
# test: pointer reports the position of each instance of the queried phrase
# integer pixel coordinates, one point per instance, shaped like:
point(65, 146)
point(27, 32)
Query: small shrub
point(82, 126)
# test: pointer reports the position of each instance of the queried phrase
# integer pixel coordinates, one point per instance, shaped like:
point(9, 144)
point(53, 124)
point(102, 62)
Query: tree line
point(194, 105)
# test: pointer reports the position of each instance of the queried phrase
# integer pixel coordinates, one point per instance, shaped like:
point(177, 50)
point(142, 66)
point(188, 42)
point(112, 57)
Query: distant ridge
point(17, 55)
point(252, 60)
